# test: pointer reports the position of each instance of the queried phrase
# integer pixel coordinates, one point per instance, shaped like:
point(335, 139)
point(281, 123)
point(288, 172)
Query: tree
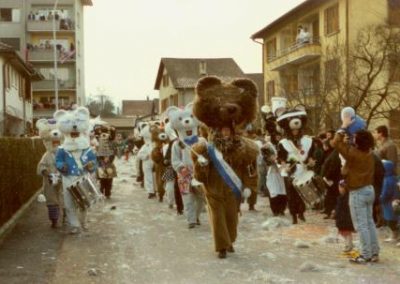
point(101, 105)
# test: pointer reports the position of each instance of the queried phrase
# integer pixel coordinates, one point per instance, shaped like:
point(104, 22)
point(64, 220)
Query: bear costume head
point(49, 133)
point(184, 123)
point(105, 135)
point(74, 125)
point(270, 124)
point(144, 129)
point(292, 122)
point(158, 135)
point(225, 107)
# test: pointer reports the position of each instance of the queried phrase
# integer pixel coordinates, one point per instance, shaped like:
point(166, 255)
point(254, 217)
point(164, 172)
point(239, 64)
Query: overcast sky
point(125, 39)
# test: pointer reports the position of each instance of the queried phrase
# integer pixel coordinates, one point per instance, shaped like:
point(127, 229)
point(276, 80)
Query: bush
point(18, 179)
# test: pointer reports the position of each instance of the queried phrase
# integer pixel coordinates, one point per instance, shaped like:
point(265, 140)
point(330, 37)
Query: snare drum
point(85, 192)
point(305, 186)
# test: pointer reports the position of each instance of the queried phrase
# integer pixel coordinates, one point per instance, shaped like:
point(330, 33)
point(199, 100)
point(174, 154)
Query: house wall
point(167, 92)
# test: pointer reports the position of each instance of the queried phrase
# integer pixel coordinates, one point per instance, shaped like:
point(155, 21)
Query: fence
point(18, 180)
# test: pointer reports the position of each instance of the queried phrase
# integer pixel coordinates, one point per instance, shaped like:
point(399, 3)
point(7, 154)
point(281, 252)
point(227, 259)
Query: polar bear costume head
point(49, 133)
point(145, 131)
point(184, 122)
point(74, 125)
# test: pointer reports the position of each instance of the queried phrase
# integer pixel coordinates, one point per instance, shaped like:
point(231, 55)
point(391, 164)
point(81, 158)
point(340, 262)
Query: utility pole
point(55, 54)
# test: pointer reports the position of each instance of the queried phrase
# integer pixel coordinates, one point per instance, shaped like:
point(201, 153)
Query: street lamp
point(55, 54)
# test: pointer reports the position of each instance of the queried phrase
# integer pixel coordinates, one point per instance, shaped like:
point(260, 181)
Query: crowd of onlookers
point(65, 22)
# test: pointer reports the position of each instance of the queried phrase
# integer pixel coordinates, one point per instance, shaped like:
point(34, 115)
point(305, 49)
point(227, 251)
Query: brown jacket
point(360, 166)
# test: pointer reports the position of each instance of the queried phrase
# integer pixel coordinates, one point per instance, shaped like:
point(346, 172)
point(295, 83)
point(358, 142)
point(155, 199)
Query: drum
point(85, 192)
point(305, 186)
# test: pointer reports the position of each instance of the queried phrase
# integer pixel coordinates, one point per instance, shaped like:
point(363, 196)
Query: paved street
point(136, 240)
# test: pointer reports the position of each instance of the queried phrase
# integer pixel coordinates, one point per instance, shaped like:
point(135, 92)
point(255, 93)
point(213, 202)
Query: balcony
point(47, 26)
point(48, 85)
point(45, 55)
point(47, 109)
point(295, 54)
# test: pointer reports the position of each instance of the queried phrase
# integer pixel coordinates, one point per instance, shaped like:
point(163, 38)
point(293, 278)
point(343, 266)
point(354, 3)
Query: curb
point(9, 225)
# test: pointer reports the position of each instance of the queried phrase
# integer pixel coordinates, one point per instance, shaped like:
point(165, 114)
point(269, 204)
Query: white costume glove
point(246, 193)
point(196, 183)
point(202, 161)
point(41, 198)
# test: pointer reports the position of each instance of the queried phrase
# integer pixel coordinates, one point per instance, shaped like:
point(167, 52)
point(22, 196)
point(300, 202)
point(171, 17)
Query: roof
point(185, 72)
point(258, 78)
point(140, 107)
point(295, 12)
point(120, 122)
point(87, 2)
point(15, 59)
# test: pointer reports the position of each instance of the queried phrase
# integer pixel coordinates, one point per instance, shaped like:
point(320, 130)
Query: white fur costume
point(183, 121)
point(73, 158)
point(144, 154)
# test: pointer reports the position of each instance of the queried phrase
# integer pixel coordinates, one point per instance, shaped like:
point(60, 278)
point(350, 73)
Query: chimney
point(203, 68)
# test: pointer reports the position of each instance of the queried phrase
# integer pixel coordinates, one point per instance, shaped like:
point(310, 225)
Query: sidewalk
point(142, 241)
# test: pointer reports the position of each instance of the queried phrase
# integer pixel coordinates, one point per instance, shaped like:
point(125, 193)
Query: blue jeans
point(361, 202)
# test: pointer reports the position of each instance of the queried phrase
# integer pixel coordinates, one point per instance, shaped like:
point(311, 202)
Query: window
point(270, 89)
point(394, 12)
point(164, 105)
point(394, 68)
point(14, 42)
point(175, 100)
point(165, 80)
point(331, 72)
point(332, 20)
point(10, 15)
point(271, 49)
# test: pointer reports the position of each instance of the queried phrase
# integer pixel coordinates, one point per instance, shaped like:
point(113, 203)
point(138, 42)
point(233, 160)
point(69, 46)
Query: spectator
point(389, 193)
point(331, 175)
point(386, 149)
point(358, 172)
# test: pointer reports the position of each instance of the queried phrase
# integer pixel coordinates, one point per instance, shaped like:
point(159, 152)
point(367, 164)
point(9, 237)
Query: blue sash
point(225, 171)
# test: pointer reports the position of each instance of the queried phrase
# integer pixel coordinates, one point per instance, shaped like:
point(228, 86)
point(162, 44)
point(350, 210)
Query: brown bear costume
point(158, 137)
point(231, 107)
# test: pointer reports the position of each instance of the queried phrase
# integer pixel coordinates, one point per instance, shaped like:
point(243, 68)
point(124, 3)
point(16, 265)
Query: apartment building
point(27, 25)
point(295, 46)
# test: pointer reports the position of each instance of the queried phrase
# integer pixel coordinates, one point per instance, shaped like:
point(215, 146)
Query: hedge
point(18, 180)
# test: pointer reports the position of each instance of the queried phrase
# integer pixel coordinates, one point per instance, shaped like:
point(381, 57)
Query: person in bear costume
point(296, 154)
point(158, 137)
point(47, 168)
point(74, 159)
point(273, 179)
point(106, 170)
point(226, 165)
point(169, 176)
point(186, 125)
point(144, 155)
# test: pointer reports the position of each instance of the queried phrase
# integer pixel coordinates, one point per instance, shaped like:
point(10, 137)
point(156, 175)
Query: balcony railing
point(47, 26)
point(295, 46)
point(43, 54)
point(48, 85)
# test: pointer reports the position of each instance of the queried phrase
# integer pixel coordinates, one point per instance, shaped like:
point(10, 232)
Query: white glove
point(41, 198)
point(54, 178)
point(196, 183)
point(246, 193)
point(202, 161)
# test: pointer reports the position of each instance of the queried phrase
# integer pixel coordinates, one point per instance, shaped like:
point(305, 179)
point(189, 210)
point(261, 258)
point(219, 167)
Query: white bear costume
point(74, 158)
point(144, 154)
point(186, 125)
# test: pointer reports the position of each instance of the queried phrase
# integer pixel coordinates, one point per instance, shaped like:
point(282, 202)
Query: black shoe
point(179, 213)
point(222, 254)
point(151, 195)
point(251, 207)
point(198, 222)
point(301, 217)
point(192, 225)
point(160, 199)
point(294, 219)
